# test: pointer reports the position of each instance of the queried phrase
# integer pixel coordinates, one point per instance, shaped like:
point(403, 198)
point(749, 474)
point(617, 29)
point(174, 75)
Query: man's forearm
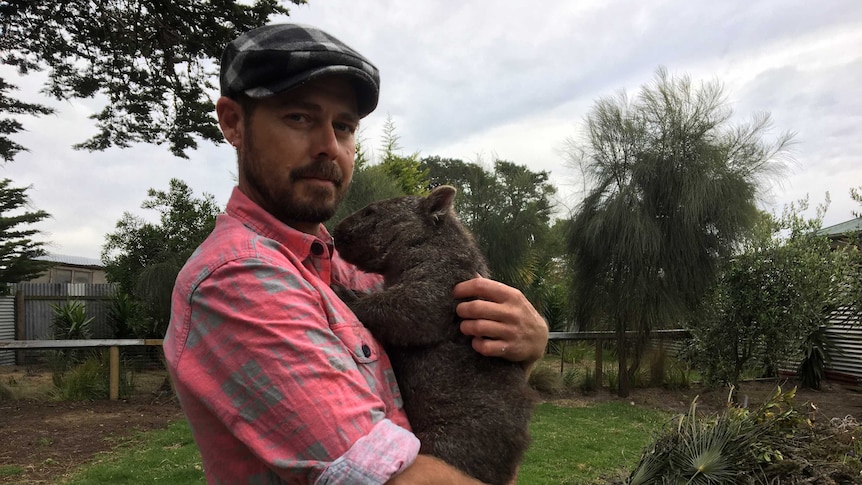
point(427, 470)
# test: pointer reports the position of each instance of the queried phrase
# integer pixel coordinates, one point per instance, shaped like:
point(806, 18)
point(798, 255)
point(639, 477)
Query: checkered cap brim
point(274, 58)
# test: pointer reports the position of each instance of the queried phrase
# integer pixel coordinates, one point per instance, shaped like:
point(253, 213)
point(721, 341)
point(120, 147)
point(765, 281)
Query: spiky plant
point(728, 448)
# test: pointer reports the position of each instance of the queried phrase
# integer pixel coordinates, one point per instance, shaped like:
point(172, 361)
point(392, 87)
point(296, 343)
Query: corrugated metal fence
point(39, 300)
point(7, 327)
point(846, 335)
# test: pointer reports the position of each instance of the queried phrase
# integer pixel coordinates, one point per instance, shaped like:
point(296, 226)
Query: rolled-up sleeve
point(374, 458)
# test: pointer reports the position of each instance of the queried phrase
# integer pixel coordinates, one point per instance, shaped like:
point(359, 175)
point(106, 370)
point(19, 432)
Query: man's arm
point(428, 470)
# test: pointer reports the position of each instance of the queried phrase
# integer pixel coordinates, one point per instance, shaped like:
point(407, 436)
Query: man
point(279, 381)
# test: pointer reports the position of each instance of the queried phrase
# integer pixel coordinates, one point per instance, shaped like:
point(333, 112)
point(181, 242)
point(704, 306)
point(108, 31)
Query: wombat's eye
point(369, 211)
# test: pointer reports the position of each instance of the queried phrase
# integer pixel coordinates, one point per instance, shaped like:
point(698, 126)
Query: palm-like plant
point(733, 447)
point(673, 189)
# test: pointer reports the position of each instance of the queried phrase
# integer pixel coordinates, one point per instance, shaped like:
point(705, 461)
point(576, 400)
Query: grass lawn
point(571, 445)
point(580, 445)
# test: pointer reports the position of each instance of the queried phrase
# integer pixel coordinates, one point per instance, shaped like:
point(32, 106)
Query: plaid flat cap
point(273, 58)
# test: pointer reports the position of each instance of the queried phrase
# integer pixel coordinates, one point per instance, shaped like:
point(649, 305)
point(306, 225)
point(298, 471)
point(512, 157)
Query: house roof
point(847, 227)
point(71, 260)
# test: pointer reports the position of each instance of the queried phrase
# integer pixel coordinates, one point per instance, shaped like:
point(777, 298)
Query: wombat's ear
point(439, 201)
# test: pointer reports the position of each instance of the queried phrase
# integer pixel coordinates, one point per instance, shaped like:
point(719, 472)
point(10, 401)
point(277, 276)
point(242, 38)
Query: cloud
point(510, 80)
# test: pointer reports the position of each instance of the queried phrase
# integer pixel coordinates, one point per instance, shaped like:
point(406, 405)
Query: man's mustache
point(321, 169)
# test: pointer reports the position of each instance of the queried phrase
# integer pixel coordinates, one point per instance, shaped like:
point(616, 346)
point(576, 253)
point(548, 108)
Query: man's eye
point(296, 117)
point(344, 127)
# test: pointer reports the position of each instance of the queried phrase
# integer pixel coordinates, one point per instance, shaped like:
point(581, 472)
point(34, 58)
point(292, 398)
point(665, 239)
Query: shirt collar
point(262, 222)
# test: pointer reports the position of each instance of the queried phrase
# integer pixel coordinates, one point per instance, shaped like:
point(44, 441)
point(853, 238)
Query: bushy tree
point(671, 189)
point(18, 249)
point(144, 258)
point(153, 62)
point(406, 170)
point(769, 303)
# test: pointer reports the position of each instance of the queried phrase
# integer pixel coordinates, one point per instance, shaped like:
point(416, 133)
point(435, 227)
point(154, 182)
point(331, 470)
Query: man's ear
point(230, 120)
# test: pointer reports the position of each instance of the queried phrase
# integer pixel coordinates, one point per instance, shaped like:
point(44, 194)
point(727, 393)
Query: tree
point(769, 303)
point(152, 60)
point(407, 171)
point(11, 126)
point(673, 189)
point(18, 250)
point(145, 258)
point(856, 194)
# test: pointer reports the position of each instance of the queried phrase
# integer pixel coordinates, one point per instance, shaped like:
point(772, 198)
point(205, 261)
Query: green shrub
point(6, 392)
point(89, 379)
point(71, 321)
point(613, 378)
point(678, 377)
point(588, 383)
point(571, 378)
point(773, 443)
point(546, 380)
point(578, 351)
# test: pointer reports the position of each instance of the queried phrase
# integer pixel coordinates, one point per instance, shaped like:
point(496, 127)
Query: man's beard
point(282, 202)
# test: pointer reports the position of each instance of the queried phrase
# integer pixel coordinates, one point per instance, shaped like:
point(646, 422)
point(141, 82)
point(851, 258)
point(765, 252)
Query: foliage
point(856, 195)
point(407, 171)
point(89, 379)
point(546, 380)
point(144, 258)
point(11, 126)
point(18, 250)
point(125, 316)
point(152, 62)
point(672, 189)
point(815, 352)
point(71, 321)
point(770, 299)
point(773, 443)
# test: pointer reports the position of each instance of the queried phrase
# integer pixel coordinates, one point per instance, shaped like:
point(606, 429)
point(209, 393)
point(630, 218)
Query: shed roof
point(847, 227)
point(72, 260)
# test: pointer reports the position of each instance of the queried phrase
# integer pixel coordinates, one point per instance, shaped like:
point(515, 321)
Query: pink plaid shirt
point(279, 380)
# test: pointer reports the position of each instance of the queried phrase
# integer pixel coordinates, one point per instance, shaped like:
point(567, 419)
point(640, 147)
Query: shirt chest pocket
point(358, 341)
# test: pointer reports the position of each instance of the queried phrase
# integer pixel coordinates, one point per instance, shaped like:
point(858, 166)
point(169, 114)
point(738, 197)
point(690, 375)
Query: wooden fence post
point(599, 364)
point(114, 391)
point(20, 325)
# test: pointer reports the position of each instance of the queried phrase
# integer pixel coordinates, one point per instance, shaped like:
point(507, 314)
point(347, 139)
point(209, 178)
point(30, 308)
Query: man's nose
point(326, 142)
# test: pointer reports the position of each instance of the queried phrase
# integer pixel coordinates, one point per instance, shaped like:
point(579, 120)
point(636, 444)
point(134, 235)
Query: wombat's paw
point(345, 294)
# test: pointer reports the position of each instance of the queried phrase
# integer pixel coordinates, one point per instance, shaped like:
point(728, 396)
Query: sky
point(512, 80)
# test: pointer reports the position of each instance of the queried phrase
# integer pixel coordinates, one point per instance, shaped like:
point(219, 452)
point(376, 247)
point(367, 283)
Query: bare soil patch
point(41, 441)
point(834, 400)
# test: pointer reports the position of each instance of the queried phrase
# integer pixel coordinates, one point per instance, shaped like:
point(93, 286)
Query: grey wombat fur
point(469, 410)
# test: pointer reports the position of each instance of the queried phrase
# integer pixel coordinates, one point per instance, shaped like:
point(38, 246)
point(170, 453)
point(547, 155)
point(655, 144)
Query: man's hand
point(502, 322)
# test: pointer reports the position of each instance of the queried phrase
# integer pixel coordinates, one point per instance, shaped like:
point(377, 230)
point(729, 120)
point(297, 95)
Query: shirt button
point(316, 248)
point(366, 350)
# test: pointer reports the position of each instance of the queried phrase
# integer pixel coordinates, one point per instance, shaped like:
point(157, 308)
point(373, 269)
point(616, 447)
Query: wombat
point(469, 410)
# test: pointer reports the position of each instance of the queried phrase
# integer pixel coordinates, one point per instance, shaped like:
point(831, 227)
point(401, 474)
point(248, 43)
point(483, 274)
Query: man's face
point(297, 152)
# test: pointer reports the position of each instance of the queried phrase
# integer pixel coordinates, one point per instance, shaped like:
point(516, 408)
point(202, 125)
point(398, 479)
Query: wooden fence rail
point(600, 337)
point(113, 346)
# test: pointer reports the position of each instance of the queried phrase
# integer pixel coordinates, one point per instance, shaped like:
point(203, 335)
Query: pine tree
point(18, 250)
